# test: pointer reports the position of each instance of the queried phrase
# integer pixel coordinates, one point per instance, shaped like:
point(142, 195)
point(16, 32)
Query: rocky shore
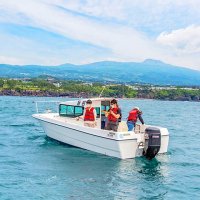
point(40, 93)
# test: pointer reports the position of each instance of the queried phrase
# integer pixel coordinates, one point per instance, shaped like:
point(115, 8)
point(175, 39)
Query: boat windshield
point(74, 111)
point(70, 110)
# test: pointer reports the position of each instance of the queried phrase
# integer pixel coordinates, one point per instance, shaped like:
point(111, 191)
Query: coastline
point(76, 89)
point(40, 93)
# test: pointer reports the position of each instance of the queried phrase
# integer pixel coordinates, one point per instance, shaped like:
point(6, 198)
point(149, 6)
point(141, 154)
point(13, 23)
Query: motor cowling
point(152, 142)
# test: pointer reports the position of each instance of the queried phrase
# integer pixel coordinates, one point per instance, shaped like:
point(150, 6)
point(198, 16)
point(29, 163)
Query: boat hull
point(123, 149)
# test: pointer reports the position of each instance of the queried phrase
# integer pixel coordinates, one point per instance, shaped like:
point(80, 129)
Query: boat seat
point(122, 127)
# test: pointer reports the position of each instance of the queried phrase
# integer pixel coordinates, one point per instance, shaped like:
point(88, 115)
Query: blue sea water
point(32, 166)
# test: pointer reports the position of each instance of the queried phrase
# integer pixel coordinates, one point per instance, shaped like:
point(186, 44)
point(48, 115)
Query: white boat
point(62, 126)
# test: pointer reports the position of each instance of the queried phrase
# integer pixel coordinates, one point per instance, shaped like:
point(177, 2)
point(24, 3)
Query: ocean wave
point(2, 145)
point(35, 137)
point(20, 125)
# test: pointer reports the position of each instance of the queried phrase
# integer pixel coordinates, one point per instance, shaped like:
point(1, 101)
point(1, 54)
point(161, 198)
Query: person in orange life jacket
point(134, 114)
point(89, 115)
point(114, 116)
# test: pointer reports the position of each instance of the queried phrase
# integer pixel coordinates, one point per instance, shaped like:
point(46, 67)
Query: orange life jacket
point(89, 114)
point(133, 115)
point(111, 117)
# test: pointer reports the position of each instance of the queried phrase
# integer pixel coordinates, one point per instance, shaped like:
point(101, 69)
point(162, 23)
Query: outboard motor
point(152, 142)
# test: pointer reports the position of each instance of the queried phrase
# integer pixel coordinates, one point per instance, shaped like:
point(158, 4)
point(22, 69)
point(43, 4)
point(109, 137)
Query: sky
point(53, 32)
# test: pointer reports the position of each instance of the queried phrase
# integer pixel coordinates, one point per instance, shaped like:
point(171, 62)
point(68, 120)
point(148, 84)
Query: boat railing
point(140, 128)
point(47, 106)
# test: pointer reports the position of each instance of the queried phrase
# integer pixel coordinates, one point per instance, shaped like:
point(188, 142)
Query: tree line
point(51, 87)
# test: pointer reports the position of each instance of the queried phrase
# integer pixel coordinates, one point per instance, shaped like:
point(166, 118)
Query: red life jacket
point(89, 114)
point(133, 115)
point(111, 117)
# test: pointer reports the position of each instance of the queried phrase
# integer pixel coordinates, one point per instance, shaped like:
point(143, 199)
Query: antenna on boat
point(102, 91)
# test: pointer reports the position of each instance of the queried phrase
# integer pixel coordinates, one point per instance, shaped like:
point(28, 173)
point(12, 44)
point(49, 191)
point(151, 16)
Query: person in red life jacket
point(89, 115)
point(134, 114)
point(114, 116)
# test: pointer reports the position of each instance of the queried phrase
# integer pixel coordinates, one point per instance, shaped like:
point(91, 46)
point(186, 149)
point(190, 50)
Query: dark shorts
point(112, 126)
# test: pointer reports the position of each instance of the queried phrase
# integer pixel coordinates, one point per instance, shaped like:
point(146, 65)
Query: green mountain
point(149, 71)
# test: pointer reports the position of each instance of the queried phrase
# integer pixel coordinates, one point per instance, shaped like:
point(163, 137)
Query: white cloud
point(182, 41)
point(121, 40)
point(118, 9)
point(10, 60)
point(97, 8)
point(153, 15)
point(114, 25)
